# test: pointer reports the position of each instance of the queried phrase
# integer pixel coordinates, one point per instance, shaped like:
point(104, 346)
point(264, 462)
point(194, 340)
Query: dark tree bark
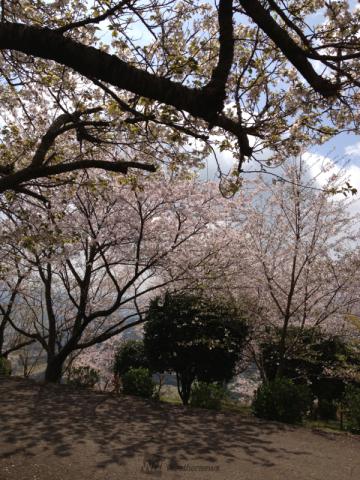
point(184, 383)
point(54, 370)
point(293, 52)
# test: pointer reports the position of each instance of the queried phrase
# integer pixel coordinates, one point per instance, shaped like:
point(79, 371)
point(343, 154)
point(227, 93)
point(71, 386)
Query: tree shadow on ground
point(60, 420)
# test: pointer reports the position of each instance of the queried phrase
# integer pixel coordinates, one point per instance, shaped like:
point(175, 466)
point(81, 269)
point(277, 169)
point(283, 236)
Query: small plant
point(5, 366)
point(351, 404)
point(139, 382)
point(207, 395)
point(282, 400)
point(83, 377)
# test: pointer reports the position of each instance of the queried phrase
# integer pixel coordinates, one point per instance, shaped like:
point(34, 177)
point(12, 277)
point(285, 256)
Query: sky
point(343, 146)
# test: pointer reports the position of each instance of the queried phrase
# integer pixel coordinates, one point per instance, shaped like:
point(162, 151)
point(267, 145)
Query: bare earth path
point(61, 434)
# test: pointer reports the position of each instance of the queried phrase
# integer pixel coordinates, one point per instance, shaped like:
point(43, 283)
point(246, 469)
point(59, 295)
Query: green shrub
point(83, 377)
point(311, 353)
point(351, 403)
point(131, 354)
point(207, 395)
point(139, 382)
point(282, 400)
point(5, 366)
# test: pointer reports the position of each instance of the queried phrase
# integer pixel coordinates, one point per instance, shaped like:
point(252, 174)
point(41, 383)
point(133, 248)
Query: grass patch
point(234, 406)
point(327, 425)
point(169, 394)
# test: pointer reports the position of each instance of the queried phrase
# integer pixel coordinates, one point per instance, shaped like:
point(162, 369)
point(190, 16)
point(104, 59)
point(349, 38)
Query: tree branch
point(92, 20)
point(295, 54)
point(94, 63)
point(19, 346)
point(217, 84)
point(56, 129)
point(11, 182)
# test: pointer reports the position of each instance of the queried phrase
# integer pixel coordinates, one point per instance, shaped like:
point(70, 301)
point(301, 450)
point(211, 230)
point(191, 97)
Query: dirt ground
point(58, 433)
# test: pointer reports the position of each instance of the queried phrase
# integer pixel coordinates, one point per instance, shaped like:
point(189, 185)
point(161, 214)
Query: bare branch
point(93, 20)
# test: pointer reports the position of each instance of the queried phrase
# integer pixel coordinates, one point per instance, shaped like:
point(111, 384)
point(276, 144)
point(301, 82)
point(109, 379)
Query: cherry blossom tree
point(103, 249)
point(237, 75)
point(302, 254)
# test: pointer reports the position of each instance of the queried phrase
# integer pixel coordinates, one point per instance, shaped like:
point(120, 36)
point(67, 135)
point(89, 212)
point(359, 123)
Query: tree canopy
point(194, 337)
point(77, 272)
point(119, 77)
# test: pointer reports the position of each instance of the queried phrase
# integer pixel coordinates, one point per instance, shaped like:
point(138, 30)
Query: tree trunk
point(280, 368)
point(2, 339)
point(54, 370)
point(282, 349)
point(186, 389)
point(184, 383)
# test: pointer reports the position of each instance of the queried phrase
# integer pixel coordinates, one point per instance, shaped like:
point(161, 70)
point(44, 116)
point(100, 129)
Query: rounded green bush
point(351, 402)
point(207, 395)
point(282, 400)
point(139, 382)
point(5, 366)
point(83, 376)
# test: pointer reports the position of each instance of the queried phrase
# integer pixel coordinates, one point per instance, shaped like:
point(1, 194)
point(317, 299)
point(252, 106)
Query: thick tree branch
point(288, 22)
point(11, 182)
point(220, 74)
point(293, 52)
point(96, 64)
point(105, 336)
point(57, 128)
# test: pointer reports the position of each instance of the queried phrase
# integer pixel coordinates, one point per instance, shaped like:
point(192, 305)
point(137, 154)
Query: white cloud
point(323, 168)
point(353, 149)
